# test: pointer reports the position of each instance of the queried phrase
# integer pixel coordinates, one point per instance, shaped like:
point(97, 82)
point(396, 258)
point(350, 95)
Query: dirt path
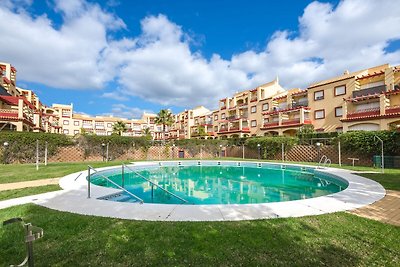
point(35, 183)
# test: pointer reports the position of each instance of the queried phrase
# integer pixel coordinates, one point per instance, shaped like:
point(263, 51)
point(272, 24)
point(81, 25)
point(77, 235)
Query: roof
point(346, 76)
point(13, 100)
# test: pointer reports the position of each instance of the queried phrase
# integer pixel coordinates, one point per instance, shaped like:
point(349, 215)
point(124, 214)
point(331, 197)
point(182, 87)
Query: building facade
point(363, 100)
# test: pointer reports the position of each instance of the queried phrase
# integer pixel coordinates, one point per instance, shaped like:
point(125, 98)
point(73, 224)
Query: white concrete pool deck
point(73, 198)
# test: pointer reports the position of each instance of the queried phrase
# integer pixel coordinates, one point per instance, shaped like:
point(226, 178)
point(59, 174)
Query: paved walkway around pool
point(25, 184)
point(386, 210)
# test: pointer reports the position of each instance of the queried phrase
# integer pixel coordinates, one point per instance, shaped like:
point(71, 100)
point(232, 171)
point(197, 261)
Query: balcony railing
point(364, 113)
point(9, 113)
point(271, 124)
point(299, 104)
point(369, 91)
point(392, 110)
point(290, 122)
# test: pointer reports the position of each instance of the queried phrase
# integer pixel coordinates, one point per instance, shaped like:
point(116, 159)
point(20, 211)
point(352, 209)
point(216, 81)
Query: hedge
point(22, 145)
point(363, 142)
point(271, 146)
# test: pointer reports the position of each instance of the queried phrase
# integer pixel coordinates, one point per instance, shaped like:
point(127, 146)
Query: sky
point(123, 58)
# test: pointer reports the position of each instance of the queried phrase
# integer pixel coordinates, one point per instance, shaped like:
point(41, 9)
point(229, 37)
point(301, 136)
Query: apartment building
point(184, 123)
point(285, 113)
point(241, 115)
point(71, 123)
point(367, 99)
point(363, 100)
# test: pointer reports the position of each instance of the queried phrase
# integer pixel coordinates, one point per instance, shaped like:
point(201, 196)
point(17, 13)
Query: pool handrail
point(114, 183)
point(165, 190)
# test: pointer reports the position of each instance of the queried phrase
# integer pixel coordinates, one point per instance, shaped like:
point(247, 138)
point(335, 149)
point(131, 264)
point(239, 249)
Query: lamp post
point(318, 144)
point(382, 157)
point(103, 146)
point(5, 144)
point(259, 151)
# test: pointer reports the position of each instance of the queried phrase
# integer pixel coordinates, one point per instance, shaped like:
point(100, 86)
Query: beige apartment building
point(363, 100)
point(242, 114)
point(71, 123)
point(186, 123)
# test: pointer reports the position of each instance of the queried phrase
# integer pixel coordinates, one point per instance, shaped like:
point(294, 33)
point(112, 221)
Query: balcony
point(299, 104)
point(8, 113)
point(253, 99)
point(290, 122)
point(392, 110)
point(87, 126)
point(271, 124)
point(369, 91)
point(372, 112)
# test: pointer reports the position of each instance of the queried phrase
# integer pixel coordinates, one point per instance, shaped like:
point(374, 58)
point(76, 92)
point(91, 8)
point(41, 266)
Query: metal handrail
point(165, 190)
point(324, 161)
point(324, 157)
point(117, 185)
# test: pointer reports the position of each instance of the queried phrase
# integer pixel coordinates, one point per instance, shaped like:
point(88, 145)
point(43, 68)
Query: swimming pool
point(214, 182)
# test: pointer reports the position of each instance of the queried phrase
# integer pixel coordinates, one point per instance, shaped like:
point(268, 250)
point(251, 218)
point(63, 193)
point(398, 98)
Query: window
point(265, 120)
point(222, 116)
point(76, 131)
point(66, 131)
point(265, 106)
point(216, 128)
point(215, 117)
point(65, 122)
point(253, 109)
point(340, 90)
point(338, 112)
point(319, 95)
point(109, 125)
point(253, 123)
point(319, 114)
point(76, 123)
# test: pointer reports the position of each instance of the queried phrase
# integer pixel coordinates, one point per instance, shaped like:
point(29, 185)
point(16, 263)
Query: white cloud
point(124, 111)
point(68, 57)
point(116, 95)
point(159, 65)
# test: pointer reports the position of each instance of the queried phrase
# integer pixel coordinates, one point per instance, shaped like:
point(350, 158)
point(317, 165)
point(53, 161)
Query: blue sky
point(126, 57)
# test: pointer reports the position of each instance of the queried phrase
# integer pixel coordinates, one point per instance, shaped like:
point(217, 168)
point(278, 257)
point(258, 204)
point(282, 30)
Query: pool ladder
point(324, 162)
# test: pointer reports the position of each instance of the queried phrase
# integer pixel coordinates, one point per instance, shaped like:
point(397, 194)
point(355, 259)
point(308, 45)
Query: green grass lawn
point(8, 194)
point(26, 172)
point(338, 239)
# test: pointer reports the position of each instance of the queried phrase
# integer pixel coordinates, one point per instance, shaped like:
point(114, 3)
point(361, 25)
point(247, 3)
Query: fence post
point(123, 176)
point(107, 152)
point(340, 154)
point(88, 182)
point(283, 152)
point(45, 153)
point(243, 151)
point(37, 154)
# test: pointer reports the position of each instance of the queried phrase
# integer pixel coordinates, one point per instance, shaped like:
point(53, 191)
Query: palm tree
point(119, 127)
point(165, 118)
point(147, 133)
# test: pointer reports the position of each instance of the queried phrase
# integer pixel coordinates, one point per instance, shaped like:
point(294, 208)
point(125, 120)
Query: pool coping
point(360, 192)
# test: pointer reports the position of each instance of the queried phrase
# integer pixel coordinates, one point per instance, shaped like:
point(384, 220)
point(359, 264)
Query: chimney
point(346, 72)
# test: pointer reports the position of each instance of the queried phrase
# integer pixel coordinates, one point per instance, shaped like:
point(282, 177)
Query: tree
point(305, 132)
point(201, 130)
point(165, 118)
point(147, 133)
point(119, 127)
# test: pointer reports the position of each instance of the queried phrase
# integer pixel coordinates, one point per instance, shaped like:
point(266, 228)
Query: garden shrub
point(271, 146)
point(22, 145)
point(363, 143)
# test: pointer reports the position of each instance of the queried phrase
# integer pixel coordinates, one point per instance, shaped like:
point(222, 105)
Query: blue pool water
point(220, 184)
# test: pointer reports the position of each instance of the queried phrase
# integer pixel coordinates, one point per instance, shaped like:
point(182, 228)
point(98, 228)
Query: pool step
point(120, 197)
